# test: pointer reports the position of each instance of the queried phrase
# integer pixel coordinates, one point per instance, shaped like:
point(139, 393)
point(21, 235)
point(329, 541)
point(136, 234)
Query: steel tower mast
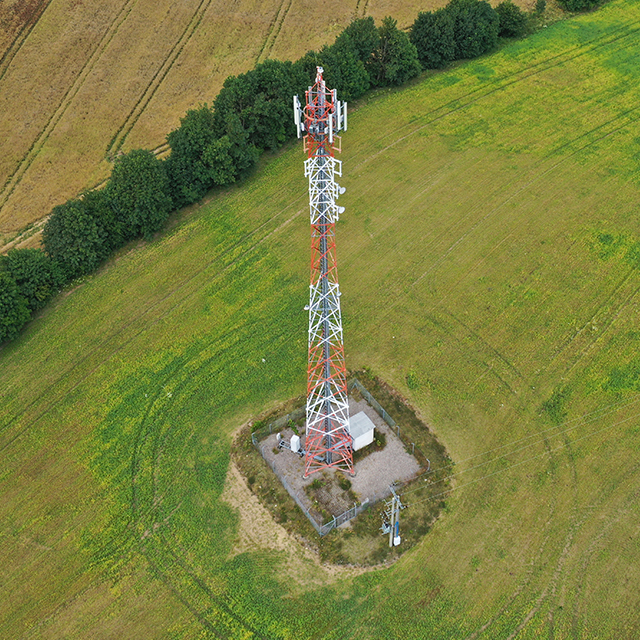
point(328, 441)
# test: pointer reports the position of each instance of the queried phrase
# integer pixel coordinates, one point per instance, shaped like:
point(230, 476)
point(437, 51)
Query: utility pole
point(328, 441)
point(391, 521)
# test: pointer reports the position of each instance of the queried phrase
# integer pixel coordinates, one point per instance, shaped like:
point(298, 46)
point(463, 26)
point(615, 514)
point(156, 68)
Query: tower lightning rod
point(328, 441)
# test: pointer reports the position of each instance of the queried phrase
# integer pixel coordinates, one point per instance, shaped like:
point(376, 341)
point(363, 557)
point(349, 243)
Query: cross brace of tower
point(328, 443)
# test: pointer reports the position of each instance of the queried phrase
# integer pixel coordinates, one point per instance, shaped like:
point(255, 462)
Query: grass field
point(489, 254)
point(82, 81)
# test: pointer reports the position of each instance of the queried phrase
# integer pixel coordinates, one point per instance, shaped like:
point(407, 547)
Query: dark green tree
point(74, 239)
point(363, 35)
point(217, 156)
point(475, 27)
point(261, 99)
point(139, 193)
point(111, 223)
point(432, 35)
point(512, 20)
point(343, 69)
point(191, 176)
point(579, 5)
point(36, 275)
point(395, 60)
point(236, 143)
point(14, 311)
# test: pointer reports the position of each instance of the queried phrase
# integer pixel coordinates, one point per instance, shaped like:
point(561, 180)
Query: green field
point(490, 248)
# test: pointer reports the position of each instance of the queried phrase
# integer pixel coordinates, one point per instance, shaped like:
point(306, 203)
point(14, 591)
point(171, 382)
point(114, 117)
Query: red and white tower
point(328, 441)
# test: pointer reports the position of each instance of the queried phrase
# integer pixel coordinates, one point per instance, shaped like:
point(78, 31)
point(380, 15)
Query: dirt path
point(257, 530)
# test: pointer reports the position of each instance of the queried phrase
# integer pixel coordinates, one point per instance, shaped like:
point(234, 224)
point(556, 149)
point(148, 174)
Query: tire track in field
point(170, 293)
point(625, 117)
point(527, 579)
point(614, 127)
point(14, 179)
point(606, 313)
point(21, 37)
point(588, 554)
point(158, 77)
point(504, 82)
point(189, 581)
point(551, 586)
point(361, 9)
point(550, 591)
point(274, 30)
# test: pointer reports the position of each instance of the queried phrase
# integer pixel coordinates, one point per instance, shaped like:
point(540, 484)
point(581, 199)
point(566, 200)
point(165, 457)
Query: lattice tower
point(328, 441)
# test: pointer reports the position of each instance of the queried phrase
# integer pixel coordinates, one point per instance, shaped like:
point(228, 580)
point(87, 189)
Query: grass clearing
point(478, 278)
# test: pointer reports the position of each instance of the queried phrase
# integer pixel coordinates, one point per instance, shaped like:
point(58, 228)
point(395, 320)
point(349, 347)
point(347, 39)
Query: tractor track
point(14, 178)
point(452, 106)
point(187, 585)
point(274, 30)
point(21, 37)
point(229, 251)
point(123, 131)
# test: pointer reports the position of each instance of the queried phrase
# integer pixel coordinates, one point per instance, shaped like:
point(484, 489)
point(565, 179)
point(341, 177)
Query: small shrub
point(257, 425)
point(380, 439)
point(541, 6)
point(344, 483)
point(412, 380)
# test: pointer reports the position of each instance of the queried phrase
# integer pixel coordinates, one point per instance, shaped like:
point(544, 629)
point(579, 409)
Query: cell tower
point(328, 441)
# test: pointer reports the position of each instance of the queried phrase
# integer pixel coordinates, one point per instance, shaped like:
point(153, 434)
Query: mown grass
point(478, 278)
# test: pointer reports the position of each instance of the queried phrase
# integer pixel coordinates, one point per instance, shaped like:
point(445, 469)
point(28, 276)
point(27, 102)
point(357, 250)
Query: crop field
point(82, 81)
point(490, 269)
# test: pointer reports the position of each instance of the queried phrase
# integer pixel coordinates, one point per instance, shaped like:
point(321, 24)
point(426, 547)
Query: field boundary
point(23, 166)
point(12, 50)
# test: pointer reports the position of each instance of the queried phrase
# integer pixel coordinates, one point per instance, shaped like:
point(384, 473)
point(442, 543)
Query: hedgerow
point(217, 145)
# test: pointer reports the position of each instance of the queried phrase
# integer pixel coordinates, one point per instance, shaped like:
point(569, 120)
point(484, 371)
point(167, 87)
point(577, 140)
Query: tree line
point(217, 145)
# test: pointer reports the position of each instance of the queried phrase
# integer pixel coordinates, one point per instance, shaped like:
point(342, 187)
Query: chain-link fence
point(354, 382)
point(260, 434)
point(321, 528)
point(282, 422)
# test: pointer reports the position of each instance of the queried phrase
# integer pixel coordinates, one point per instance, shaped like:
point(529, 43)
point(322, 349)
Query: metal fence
point(279, 424)
point(322, 529)
point(354, 382)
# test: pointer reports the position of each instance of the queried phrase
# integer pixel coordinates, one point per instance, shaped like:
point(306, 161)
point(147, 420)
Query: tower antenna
point(328, 441)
